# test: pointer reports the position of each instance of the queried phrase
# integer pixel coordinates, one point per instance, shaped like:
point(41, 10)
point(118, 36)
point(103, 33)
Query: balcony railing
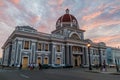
point(77, 52)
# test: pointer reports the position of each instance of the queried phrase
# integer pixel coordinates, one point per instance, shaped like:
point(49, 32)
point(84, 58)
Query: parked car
point(112, 65)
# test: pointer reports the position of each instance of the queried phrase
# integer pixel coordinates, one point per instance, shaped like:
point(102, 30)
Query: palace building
point(65, 45)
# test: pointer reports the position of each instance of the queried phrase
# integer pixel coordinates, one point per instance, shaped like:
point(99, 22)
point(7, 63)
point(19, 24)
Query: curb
point(115, 73)
point(112, 73)
point(93, 71)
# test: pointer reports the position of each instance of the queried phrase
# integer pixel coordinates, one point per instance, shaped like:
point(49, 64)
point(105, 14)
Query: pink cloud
point(35, 19)
point(115, 9)
point(45, 27)
point(1, 3)
point(60, 2)
point(114, 44)
point(99, 23)
point(91, 16)
point(15, 1)
point(55, 2)
point(109, 40)
point(42, 28)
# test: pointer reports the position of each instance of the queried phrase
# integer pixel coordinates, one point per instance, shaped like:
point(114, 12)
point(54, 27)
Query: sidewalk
point(109, 71)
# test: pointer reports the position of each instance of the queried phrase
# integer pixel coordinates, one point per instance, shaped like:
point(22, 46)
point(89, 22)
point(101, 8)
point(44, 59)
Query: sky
point(99, 18)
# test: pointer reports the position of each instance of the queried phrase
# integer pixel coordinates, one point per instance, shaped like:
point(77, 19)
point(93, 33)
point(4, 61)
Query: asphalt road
point(54, 74)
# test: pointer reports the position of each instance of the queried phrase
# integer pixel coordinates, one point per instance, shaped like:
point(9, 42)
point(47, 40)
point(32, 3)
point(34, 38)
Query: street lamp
point(99, 57)
point(116, 63)
point(90, 67)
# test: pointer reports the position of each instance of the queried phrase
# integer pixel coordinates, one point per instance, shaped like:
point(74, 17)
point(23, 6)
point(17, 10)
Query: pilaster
point(33, 48)
point(53, 54)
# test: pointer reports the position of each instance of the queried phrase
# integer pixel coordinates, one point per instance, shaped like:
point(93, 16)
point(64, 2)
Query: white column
point(67, 54)
point(16, 51)
point(33, 51)
point(83, 59)
point(87, 56)
point(19, 43)
point(63, 55)
point(53, 53)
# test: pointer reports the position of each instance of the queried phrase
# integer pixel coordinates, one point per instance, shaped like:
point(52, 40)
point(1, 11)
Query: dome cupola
point(67, 20)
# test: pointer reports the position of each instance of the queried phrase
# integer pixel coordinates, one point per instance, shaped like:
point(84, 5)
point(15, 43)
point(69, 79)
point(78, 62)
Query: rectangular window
point(93, 52)
point(58, 48)
point(46, 47)
point(73, 48)
point(26, 45)
point(97, 52)
point(39, 46)
point(103, 53)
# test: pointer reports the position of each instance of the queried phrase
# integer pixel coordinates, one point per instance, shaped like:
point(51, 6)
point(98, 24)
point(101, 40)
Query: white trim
point(56, 43)
point(43, 42)
point(43, 52)
point(74, 44)
point(29, 39)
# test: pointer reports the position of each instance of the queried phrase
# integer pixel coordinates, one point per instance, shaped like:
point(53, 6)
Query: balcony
point(77, 52)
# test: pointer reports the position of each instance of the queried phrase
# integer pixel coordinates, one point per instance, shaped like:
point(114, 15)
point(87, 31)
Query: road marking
point(22, 75)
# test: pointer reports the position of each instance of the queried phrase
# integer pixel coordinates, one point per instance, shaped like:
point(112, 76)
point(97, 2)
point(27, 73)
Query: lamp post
point(90, 67)
point(117, 68)
point(99, 57)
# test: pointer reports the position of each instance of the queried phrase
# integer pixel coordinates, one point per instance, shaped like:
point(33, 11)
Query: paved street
point(55, 74)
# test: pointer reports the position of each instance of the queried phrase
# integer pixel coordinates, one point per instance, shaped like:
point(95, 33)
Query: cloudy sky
point(100, 18)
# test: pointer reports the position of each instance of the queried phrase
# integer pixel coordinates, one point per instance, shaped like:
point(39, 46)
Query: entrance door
point(38, 60)
point(77, 60)
point(45, 60)
point(58, 61)
point(25, 62)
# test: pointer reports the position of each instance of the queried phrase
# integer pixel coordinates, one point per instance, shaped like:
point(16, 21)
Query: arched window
point(58, 23)
point(74, 22)
point(75, 37)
